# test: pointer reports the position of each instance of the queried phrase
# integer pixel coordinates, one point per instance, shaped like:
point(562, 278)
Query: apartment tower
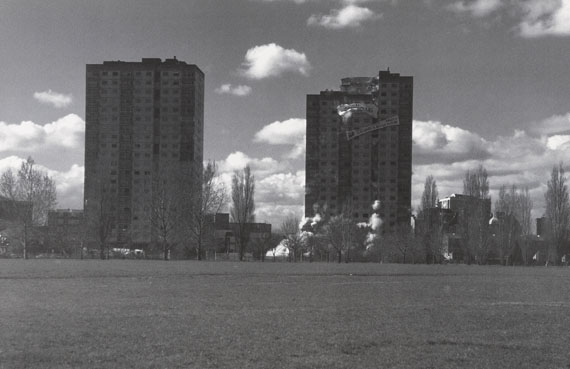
point(359, 149)
point(144, 133)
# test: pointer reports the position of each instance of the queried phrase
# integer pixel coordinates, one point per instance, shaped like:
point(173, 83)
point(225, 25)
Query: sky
point(491, 82)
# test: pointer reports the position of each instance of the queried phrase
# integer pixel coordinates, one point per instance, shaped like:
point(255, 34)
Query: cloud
point(279, 196)
point(545, 18)
point(288, 132)
point(279, 191)
point(66, 132)
point(69, 183)
point(240, 90)
point(442, 143)
point(260, 167)
point(54, 98)
point(477, 8)
point(272, 60)
point(534, 18)
point(275, 1)
point(350, 16)
point(554, 124)
point(520, 158)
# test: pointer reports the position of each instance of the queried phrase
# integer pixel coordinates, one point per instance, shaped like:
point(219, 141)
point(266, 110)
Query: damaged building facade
point(359, 148)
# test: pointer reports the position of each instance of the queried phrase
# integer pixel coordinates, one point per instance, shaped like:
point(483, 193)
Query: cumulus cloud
point(56, 99)
point(262, 167)
point(280, 195)
point(275, 1)
point(553, 124)
point(69, 182)
point(350, 16)
point(272, 60)
point(288, 132)
point(240, 90)
point(477, 8)
point(66, 132)
point(545, 18)
point(520, 158)
point(279, 191)
point(534, 18)
point(443, 143)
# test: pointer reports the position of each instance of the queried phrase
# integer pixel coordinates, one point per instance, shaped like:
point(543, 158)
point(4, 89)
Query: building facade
point(144, 136)
point(359, 148)
point(66, 229)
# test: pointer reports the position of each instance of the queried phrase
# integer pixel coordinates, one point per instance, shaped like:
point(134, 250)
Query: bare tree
point(103, 218)
point(512, 210)
point(525, 211)
point(266, 242)
point(430, 194)
point(243, 206)
point(557, 212)
point(476, 183)
point(206, 205)
point(165, 213)
point(36, 189)
point(430, 224)
point(338, 234)
point(294, 239)
point(475, 217)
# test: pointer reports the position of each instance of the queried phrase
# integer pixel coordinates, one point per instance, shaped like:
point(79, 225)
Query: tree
point(512, 210)
point(430, 194)
point(557, 212)
point(476, 183)
point(165, 213)
point(206, 204)
point(294, 239)
point(525, 211)
point(430, 224)
point(475, 217)
point(341, 234)
point(101, 223)
point(243, 206)
point(36, 190)
point(264, 243)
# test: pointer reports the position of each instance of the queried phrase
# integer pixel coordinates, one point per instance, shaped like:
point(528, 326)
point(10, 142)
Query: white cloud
point(535, 18)
point(56, 99)
point(272, 60)
point(554, 124)
point(69, 183)
point(519, 159)
point(288, 132)
point(437, 142)
point(279, 196)
point(262, 167)
point(279, 192)
point(477, 8)
point(275, 1)
point(350, 16)
point(66, 132)
point(240, 90)
point(545, 18)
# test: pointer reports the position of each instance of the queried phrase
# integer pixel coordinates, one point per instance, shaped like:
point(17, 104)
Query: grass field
point(155, 314)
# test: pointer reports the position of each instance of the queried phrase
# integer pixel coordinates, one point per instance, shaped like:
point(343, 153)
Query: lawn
point(156, 314)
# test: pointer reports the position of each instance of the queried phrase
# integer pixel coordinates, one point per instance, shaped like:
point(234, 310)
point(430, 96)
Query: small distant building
point(225, 231)
point(65, 230)
point(469, 212)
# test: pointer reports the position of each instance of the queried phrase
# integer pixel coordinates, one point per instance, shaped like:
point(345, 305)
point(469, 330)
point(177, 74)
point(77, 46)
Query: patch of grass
point(155, 314)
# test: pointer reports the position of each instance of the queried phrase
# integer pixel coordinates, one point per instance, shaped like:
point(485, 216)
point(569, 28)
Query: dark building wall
point(144, 124)
point(376, 165)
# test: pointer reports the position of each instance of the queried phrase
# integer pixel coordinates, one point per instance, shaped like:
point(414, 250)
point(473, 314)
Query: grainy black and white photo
point(284, 184)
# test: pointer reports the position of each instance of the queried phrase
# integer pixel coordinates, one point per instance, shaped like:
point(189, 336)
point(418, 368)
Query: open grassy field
point(155, 314)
